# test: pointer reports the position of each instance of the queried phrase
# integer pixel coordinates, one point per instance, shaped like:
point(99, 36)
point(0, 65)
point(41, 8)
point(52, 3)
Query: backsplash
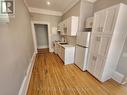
point(71, 40)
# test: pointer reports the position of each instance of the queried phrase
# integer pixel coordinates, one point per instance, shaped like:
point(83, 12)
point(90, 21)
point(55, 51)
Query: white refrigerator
point(82, 46)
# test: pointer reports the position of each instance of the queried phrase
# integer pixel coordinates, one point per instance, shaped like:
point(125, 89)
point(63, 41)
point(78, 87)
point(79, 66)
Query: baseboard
point(118, 77)
point(51, 50)
point(25, 83)
point(41, 47)
point(125, 81)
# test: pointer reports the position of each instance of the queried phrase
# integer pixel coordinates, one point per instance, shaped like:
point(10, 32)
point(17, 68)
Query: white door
point(99, 21)
point(81, 57)
point(93, 52)
point(111, 17)
point(69, 22)
point(72, 26)
point(83, 38)
point(102, 55)
point(62, 53)
point(98, 52)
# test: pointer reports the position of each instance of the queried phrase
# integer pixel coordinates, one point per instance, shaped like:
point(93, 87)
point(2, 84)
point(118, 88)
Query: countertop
point(66, 45)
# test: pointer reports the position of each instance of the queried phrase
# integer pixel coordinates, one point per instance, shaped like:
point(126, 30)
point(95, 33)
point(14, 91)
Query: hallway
point(51, 77)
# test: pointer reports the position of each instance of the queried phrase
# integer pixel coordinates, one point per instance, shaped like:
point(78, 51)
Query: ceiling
point(56, 5)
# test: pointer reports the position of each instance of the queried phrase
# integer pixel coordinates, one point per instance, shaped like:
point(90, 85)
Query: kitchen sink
point(63, 43)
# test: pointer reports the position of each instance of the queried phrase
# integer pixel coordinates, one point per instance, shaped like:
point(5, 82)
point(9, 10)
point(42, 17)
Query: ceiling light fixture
point(48, 3)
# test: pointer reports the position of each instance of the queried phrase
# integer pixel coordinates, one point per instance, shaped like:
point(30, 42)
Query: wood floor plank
point(43, 51)
point(51, 77)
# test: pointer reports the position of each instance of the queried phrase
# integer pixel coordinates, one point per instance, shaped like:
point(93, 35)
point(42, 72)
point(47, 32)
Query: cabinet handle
point(94, 58)
point(98, 38)
point(101, 29)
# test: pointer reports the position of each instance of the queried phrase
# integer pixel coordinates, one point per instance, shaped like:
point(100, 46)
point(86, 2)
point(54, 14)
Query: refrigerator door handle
point(81, 46)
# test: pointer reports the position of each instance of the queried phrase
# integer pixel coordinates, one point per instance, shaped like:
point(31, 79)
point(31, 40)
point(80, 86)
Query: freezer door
point(81, 57)
point(83, 38)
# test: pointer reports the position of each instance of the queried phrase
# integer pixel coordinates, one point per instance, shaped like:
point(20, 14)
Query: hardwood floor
point(51, 77)
point(43, 51)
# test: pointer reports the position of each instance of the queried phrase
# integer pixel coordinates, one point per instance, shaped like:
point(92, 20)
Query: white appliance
point(82, 46)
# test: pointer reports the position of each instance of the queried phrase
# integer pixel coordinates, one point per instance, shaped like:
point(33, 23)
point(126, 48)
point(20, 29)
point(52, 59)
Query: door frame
point(34, 34)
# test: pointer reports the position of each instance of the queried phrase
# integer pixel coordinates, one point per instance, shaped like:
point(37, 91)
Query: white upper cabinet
point(59, 27)
point(72, 26)
point(104, 21)
point(69, 26)
point(111, 18)
point(99, 21)
point(107, 41)
point(65, 23)
point(64, 28)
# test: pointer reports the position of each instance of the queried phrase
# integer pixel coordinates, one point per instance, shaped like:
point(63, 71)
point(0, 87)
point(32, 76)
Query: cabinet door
point(65, 23)
point(69, 26)
point(62, 28)
point(56, 48)
point(72, 26)
point(59, 27)
point(59, 50)
point(93, 52)
point(102, 55)
point(62, 53)
point(111, 17)
point(99, 21)
point(98, 52)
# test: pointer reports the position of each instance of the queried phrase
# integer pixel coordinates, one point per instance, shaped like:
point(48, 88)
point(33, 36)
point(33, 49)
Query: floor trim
point(42, 47)
point(118, 77)
point(125, 81)
point(25, 83)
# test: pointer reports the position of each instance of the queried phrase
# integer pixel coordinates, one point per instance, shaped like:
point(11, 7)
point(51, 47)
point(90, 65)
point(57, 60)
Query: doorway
point(41, 31)
point(41, 36)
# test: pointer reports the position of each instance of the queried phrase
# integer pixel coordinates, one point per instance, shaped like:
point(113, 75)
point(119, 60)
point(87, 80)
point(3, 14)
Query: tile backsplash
point(71, 40)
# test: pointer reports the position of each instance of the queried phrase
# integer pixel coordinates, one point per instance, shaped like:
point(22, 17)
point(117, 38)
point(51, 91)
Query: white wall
point(101, 4)
point(86, 10)
point(53, 20)
point(74, 11)
point(16, 50)
point(41, 35)
point(122, 66)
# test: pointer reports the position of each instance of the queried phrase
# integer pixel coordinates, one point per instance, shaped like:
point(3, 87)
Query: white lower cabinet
point(59, 50)
point(62, 56)
point(66, 53)
point(69, 55)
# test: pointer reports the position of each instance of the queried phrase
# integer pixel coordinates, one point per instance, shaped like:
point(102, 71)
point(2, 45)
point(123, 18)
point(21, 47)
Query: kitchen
point(94, 48)
point(88, 40)
point(93, 41)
